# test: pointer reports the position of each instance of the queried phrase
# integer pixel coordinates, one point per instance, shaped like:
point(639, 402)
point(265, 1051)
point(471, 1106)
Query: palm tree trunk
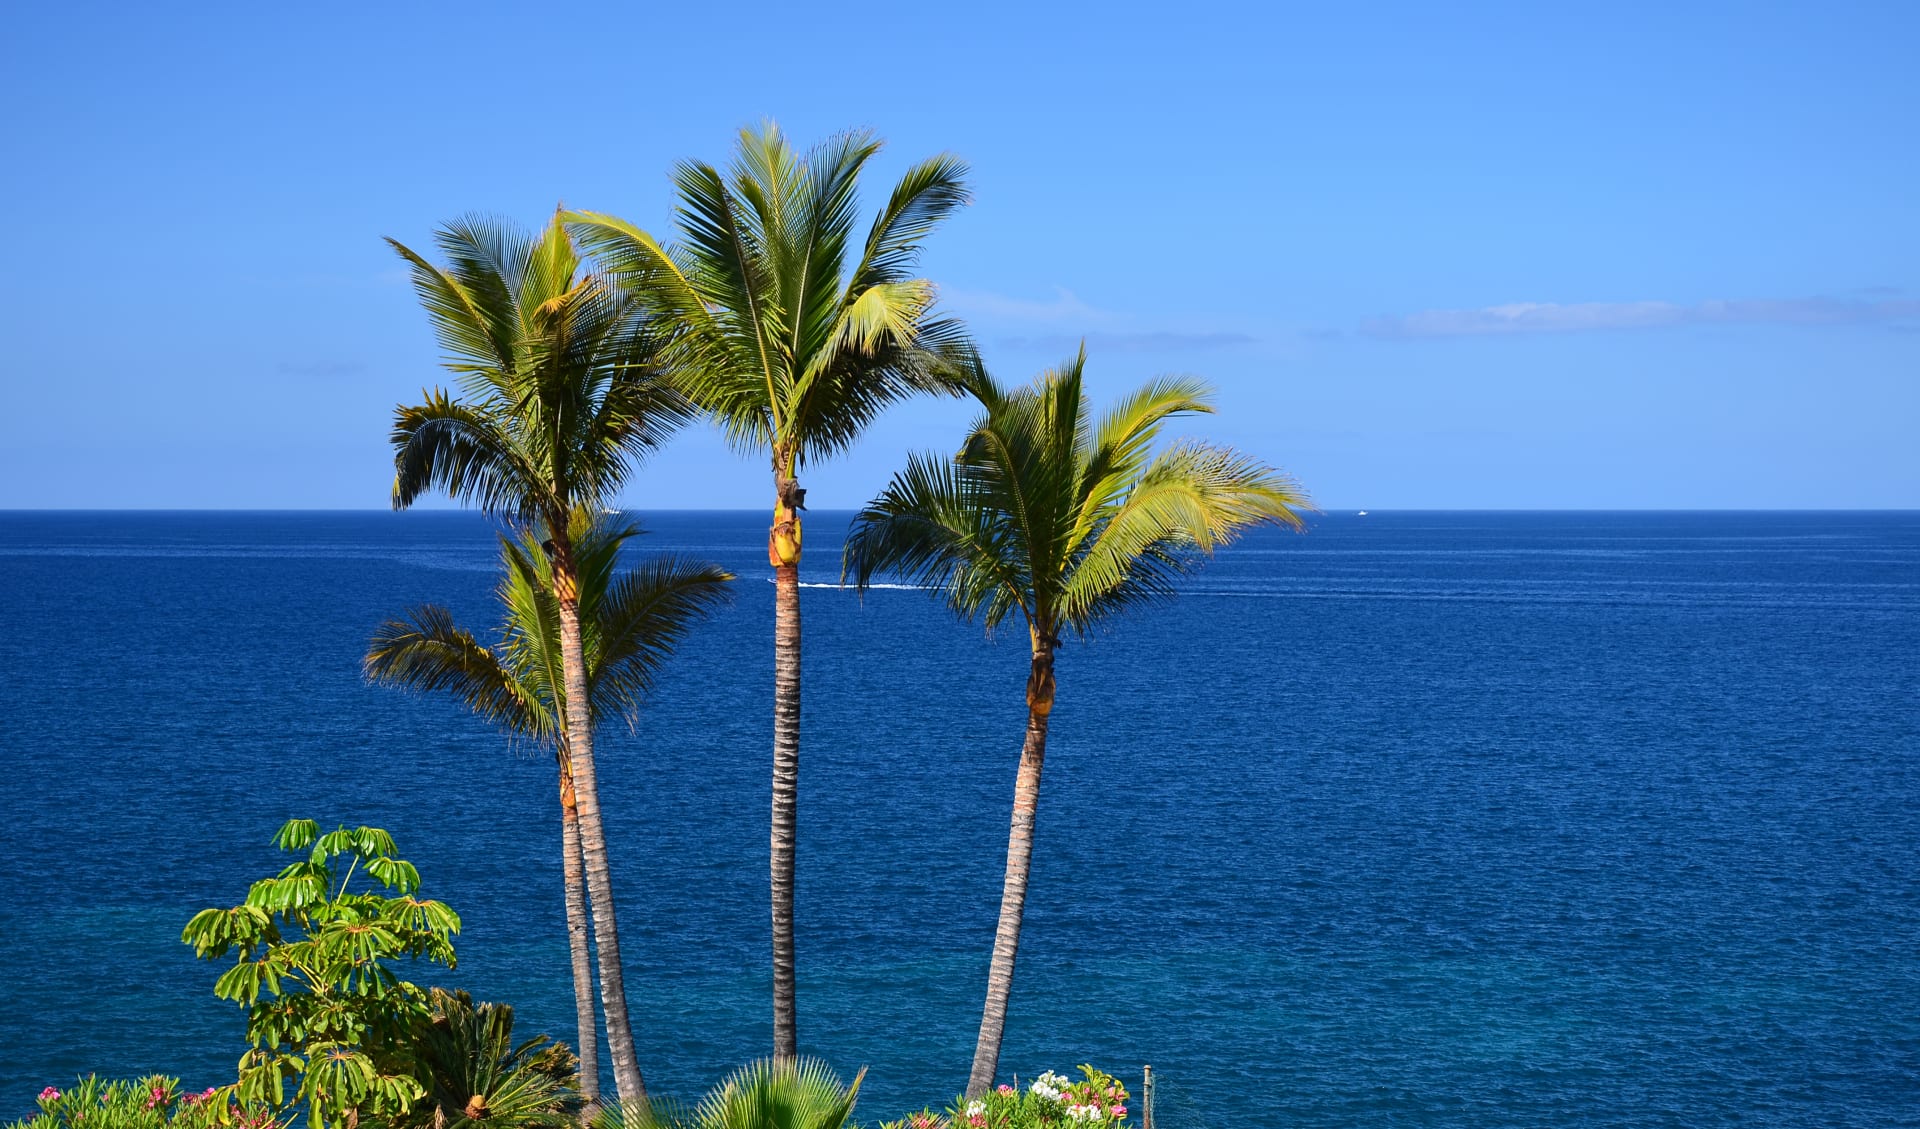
point(588, 1046)
point(783, 553)
point(593, 842)
point(1013, 895)
point(786, 784)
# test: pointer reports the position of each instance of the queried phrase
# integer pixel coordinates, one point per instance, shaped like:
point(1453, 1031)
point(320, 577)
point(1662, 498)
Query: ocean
point(1419, 819)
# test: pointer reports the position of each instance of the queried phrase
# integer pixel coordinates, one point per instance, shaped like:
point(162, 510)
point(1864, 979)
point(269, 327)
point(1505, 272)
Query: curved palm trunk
point(783, 552)
point(1013, 895)
point(593, 842)
point(588, 1046)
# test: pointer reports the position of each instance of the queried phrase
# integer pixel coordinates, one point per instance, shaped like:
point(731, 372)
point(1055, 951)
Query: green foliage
point(1097, 1101)
point(313, 951)
point(630, 622)
point(769, 1094)
point(789, 330)
point(476, 1077)
point(1062, 517)
point(154, 1102)
point(559, 374)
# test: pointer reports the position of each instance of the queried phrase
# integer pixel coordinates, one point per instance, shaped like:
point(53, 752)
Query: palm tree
point(477, 1077)
point(630, 625)
point(563, 396)
point(793, 355)
point(768, 1094)
point(1064, 521)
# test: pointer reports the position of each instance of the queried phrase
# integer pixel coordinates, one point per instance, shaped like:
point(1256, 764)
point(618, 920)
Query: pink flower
point(49, 1095)
point(1119, 1111)
point(1004, 1088)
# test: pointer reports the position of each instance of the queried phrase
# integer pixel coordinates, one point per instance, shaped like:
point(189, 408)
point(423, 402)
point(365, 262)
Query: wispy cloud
point(1059, 324)
point(1162, 342)
point(1555, 317)
point(1063, 306)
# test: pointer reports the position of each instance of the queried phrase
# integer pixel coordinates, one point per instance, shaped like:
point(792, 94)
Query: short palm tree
point(793, 354)
point(562, 397)
point(1064, 521)
point(769, 1094)
point(631, 623)
point(476, 1076)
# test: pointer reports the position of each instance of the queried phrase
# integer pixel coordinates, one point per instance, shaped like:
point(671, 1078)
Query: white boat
point(1362, 513)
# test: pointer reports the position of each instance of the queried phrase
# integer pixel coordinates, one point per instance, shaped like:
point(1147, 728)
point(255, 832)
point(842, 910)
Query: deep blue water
point(1417, 820)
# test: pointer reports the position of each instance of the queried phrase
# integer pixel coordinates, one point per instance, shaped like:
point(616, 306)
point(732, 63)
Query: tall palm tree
point(562, 396)
point(1064, 521)
point(793, 354)
point(630, 624)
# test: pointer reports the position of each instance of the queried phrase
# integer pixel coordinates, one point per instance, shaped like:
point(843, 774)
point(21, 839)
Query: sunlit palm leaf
point(562, 371)
point(776, 335)
point(1066, 520)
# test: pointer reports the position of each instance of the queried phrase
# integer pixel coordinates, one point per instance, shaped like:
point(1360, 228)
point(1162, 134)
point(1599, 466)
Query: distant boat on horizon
point(1362, 513)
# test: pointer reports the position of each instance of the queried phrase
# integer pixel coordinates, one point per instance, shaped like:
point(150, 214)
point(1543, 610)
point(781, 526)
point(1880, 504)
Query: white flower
point(976, 1108)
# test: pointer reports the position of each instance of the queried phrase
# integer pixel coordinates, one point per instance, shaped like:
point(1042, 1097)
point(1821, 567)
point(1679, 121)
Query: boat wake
point(850, 588)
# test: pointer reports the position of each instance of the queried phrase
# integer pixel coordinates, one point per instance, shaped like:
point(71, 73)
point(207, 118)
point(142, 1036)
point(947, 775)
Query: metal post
point(1146, 1098)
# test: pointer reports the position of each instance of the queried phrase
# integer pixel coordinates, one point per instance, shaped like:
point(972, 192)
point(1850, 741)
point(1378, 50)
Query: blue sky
point(1578, 255)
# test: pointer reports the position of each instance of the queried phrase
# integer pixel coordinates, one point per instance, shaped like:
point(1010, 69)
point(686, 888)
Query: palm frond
point(812, 258)
point(928, 193)
point(641, 619)
point(426, 652)
point(472, 338)
point(773, 1094)
point(1121, 442)
point(1064, 519)
point(476, 1076)
point(530, 630)
point(637, 261)
point(461, 450)
point(768, 1094)
point(772, 335)
point(730, 272)
point(932, 527)
point(631, 622)
point(1188, 501)
point(566, 375)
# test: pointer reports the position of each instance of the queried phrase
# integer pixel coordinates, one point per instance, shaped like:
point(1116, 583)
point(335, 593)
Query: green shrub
point(154, 1102)
point(313, 952)
point(334, 1031)
point(476, 1077)
point(1097, 1101)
